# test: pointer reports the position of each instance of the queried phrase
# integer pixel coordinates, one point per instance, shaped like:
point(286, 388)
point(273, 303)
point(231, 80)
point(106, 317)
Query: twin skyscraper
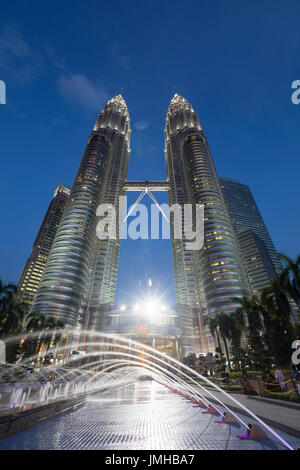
point(79, 278)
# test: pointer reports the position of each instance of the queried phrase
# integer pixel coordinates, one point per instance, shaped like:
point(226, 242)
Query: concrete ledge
point(270, 422)
point(20, 420)
point(284, 403)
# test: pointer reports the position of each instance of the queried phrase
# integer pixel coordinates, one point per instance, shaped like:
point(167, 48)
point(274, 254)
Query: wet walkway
point(282, 415)
point(144, 415)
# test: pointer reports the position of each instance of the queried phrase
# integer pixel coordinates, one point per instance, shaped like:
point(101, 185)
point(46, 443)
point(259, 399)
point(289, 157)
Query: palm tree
point(235, 338)
point(276, 304)
point(190, 360)
point(34, 321)
point(266, 306)
point(12, 315)
point(6, 291)
point(281, 306)
point(52, 323)
point(223, 322)
point(250, 316)
point(213, 328)
point(293, 272)
point(6, 294)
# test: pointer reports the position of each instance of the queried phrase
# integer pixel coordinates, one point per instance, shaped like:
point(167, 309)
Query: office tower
point(246, 215)
point(257, 261)
point(34, 267)
point(205, 279)
point(80, 273)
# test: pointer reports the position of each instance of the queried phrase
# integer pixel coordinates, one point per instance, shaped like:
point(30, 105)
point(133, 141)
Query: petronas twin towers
point(81, 270)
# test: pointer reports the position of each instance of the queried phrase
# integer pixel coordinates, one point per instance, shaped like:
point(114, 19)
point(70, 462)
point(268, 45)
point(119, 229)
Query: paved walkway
point(144, 415)
point(282, 417)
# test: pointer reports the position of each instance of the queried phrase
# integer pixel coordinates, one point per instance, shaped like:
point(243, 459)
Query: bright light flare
point(152, 307)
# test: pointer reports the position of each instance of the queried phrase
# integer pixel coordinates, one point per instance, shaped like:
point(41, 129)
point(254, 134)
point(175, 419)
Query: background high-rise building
point(81, 270)
point(246, 215)
point(257, 261)
point(34, 267)
point(206, 279)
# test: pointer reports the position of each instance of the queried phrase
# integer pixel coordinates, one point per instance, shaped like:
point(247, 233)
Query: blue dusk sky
point(234, 61)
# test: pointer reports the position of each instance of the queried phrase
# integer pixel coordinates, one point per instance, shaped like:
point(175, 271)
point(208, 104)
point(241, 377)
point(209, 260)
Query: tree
point(250, 318)
point(6, 292)
point(12, 314)
point(281, 307)
point(235, 334)
point(213, 328)
point(34, 321)
point(37, 322)
point(224, 322)
point(278, 312)
point(220, 360)
point(293, 276)
point(190, 360)
point(12, 317)
point(48, 337)
point(9, 313)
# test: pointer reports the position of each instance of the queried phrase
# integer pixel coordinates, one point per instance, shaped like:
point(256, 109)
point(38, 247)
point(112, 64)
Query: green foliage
point(252, 374)
point(292, 396)
point(223, 323)
point(15, 319)
point(231, 387)
point(265, 320)
point(235, 375)
point(12, 313)
point(190, 360)
point(292, 275)
point(220, 360)
point(35, 322)
point(250, 319)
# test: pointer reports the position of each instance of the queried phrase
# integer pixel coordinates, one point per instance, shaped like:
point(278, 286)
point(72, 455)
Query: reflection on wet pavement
point(144, 415)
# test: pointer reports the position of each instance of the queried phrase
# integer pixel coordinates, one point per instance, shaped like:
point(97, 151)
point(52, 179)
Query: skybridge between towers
point(146, 187)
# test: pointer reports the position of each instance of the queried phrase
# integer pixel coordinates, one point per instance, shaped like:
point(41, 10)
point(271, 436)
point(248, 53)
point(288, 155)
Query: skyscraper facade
point(79, 279)
point(81, 269)
point(35, 265)
point(246, 215)
point(257, 261)
point(205, 279)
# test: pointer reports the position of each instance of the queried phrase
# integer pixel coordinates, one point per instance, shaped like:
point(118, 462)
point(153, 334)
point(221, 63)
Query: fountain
point(119, 363)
